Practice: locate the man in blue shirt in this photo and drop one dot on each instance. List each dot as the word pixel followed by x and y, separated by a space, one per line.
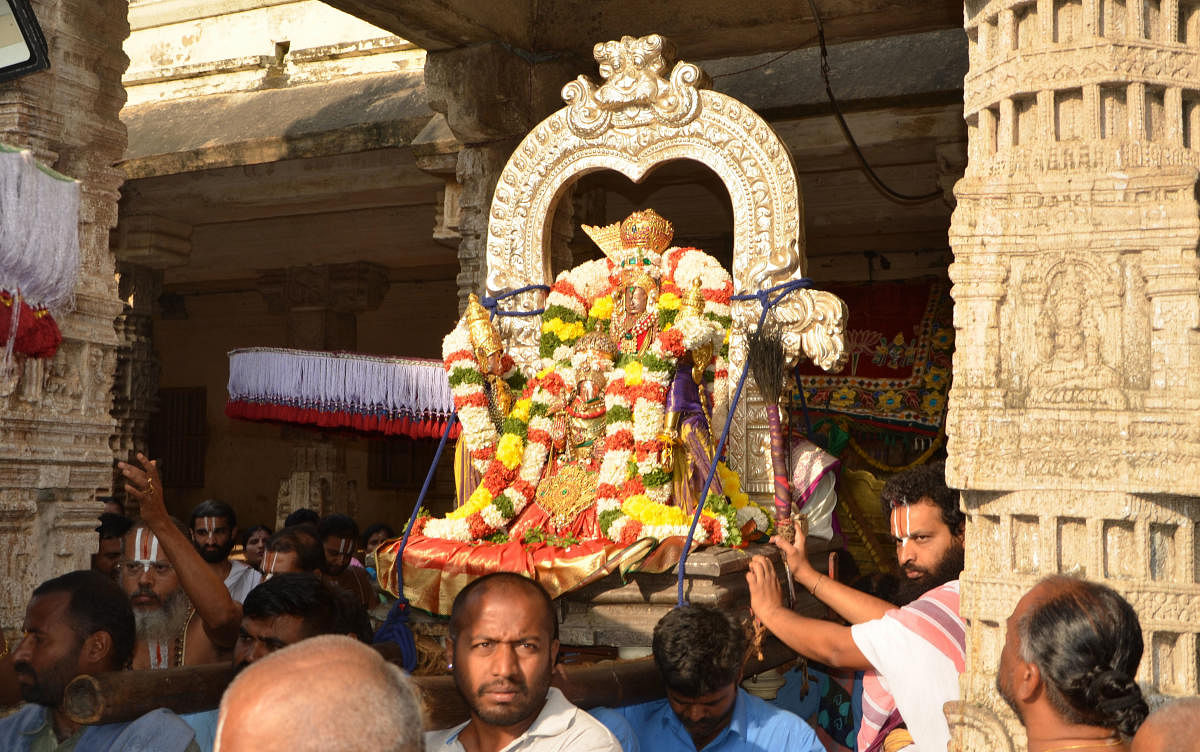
pixel 79 623
pixel 699 652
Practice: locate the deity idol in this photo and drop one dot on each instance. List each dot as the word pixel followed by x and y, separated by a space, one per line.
pixel 665 313
pixel 564 502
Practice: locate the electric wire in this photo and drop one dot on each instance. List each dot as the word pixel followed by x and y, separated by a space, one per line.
pixel 876 181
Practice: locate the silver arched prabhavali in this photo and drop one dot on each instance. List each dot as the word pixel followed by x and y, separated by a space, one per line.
pixel 644 113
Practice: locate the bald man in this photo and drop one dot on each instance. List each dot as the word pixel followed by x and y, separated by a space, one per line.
pixel 280 703
pixel 1171 727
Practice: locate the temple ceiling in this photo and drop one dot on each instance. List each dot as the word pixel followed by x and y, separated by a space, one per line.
pixel 702 28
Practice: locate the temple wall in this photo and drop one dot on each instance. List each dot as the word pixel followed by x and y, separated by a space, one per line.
pixel 1074 425
pixel 54 416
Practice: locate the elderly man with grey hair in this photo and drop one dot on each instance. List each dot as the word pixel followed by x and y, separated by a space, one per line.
pixel 325 694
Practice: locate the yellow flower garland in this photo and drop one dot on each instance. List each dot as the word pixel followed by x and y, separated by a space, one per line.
pixel 509 450
pixel 602 308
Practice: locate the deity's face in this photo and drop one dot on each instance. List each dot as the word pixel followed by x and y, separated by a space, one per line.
pixel 494 363
pixel 635 299
pixel 590 386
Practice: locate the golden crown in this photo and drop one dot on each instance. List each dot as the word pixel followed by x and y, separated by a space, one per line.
pixel 647 230
pixel 633 241
pixel 598 344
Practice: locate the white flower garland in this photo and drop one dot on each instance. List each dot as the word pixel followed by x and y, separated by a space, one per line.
pixel 634 484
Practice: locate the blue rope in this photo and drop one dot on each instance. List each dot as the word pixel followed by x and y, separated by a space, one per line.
pixel 412 519
pixel 769 298
pixel 395 628
pixel 492 303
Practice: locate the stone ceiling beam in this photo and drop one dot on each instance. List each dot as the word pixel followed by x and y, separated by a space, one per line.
pixel 701 30
pixel 445 24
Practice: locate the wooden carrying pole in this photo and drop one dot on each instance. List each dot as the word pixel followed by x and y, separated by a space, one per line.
pixel 125 695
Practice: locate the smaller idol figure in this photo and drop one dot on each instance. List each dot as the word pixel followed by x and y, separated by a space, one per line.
pixel 687 436
pixel 489 353
pixel 476 362
pixel 564 503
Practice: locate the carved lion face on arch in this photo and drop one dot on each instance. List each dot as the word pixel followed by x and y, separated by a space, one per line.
pixel 632 69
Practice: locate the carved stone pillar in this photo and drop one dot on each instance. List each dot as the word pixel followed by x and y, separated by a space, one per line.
pixel 54 416
pixel 144 245
pixel 491 95
pixel 322 304
pixel 317 480
pixel 135 386
pixel 478 170
pixel 1074 421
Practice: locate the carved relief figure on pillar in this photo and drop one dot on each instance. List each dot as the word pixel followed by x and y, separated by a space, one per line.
pixel 1071 367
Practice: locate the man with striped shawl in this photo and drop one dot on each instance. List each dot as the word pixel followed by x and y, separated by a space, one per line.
pixel 911 655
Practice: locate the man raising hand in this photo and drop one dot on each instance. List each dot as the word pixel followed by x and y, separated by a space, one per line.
pixel 184 614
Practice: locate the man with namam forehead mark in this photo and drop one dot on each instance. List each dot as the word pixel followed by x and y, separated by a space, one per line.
pixel 503 644
pixel 912 655
pixel 185 615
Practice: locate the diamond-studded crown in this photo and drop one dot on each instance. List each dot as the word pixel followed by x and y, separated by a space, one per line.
pixel 647 230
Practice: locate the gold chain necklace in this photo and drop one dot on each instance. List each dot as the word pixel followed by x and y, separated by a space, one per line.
pixel 181 639
pixel 1109 743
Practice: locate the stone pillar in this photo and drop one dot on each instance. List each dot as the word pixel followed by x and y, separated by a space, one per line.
pixel 317 479
pixel 144 245
pixel 1074 424
pixel 491 95
pixel 135 388
pixel 54 416
pixel 322 304
pixel 478 170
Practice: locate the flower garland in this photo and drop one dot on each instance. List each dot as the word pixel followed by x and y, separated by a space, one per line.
pixel 511 477
pixel 634 483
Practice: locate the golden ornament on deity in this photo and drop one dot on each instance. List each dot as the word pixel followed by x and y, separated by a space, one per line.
pixel 692 307
pixel 692 304
pixel 598 348
pixel 647 230
pixel 485 338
